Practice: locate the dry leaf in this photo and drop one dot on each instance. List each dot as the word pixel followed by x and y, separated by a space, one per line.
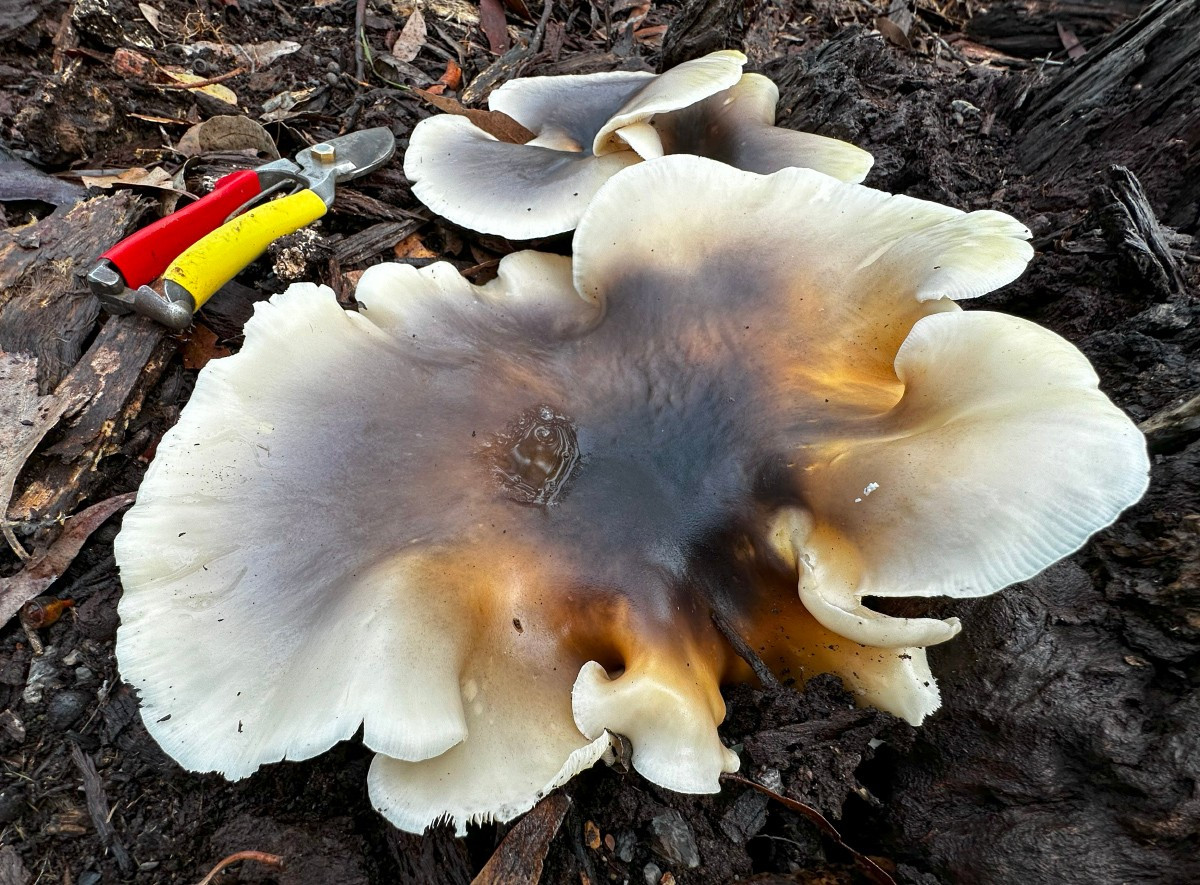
pixel 494 123
pixel 216 90
pixel 283 105
pixel 491 20
pixel 522 854
pixel 254 55
pixel 153 16
pixel 1070 42
pixel 42 571
pixel 411 39
pixel 412 247
pixel 200 346
pixel 895 31
pixel 157 178
pixel 229 132
pixel 651 34
pixel 452 78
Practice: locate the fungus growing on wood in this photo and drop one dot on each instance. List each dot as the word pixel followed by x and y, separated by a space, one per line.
pixel 491 525
pixel 589 127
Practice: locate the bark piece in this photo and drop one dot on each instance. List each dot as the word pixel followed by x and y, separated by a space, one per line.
pixel 111 381
pixel 45 308
pixel 98 810
pixel 701 27
pixel 1133 230
pixel 25 418
pixel 522 854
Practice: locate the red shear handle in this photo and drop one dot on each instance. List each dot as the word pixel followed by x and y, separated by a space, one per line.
pixel 143 257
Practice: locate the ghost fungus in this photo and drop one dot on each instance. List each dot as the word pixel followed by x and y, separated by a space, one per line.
pixel 491 524
pixel 737 127
pixel 589 127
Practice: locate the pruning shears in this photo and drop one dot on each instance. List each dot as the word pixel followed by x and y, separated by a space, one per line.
pixel 167 270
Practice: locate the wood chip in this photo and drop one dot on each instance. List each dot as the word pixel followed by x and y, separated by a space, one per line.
pixel 522 854
pixel 97 803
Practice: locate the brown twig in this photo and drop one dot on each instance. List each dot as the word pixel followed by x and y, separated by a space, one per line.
pixel 271 860
pixel 539 32
pixel 221 78
pixel 360 34
pixel 98 809
pixel 869 868
pixel 744 651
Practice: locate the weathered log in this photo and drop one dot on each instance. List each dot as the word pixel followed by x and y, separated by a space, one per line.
pixel 1132 100
pixel 46 310
pixel 1030 28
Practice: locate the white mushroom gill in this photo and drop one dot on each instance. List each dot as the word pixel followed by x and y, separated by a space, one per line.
pixel 490 524
pixel 589 127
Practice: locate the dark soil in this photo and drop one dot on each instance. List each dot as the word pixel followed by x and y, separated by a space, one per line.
pixel 1068 746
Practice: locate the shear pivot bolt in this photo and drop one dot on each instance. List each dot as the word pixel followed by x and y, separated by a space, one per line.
pixel 325 153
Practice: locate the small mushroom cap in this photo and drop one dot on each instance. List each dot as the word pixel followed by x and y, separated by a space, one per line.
pixel 591 126
pixel 491 524
pixel 584 124
pixel 737 127
pixel 520 191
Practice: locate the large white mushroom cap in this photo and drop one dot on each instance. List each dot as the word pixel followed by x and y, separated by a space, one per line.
pixel 588 127
pixel 490 524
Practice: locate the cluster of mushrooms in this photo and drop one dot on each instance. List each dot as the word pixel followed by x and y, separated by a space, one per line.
pixel 490 525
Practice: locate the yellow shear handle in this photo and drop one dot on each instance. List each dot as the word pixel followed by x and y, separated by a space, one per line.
pixel 214 260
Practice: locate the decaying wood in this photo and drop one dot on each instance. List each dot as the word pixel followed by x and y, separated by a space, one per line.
pixel 373 241
pixel 112 380
pixel 1174 427
pixel 47 310
pixel 1130 100
pixel 435 857
pixel 701 27
pixel 1134 232
pixel 1030 28
pixel 45 307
